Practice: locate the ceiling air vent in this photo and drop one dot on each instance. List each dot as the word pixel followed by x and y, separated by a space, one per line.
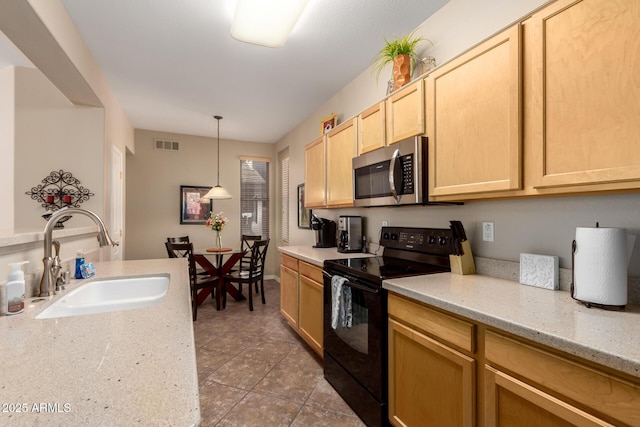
pixel 163 144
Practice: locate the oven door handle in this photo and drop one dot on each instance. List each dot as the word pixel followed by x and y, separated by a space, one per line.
pixel 354 285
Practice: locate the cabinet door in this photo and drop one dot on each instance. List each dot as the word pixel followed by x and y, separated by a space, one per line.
pixel 311 313
pixel 341 149
pixel 315 173
pixel 289 295
pixel 473 119
pixel 510 402
pixel 405 113
pixel 371 129
pixel 430 384
pixel 584 90
pixel 594 390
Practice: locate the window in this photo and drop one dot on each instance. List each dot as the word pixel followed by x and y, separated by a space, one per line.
pixel 284 207
pixel 254 197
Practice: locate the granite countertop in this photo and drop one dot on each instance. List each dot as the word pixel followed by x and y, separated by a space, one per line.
pixel 317 256
pixel 120 368
pixel 552 318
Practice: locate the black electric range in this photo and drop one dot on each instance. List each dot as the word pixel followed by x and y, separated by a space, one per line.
pixel 407 252
pixel 355 344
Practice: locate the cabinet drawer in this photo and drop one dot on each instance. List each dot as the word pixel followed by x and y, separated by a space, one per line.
pixel 289 261
pixel 311 271
pixel 447 328
pixel 512 402
pixel 608 395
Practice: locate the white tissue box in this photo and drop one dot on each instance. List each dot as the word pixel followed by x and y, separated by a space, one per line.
pixel 539 270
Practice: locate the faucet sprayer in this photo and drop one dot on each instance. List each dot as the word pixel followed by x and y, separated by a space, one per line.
pixel 49 276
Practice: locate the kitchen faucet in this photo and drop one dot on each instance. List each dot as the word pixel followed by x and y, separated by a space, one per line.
pixel 51 274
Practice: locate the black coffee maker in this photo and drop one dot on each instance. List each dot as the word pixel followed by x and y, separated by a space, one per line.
pixel 325 232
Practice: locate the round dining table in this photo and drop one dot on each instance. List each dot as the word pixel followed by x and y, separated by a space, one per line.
pixel 220 269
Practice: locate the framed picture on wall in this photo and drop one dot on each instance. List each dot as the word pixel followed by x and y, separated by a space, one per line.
pixel 193 208
pixel 328 123
pixel 304 215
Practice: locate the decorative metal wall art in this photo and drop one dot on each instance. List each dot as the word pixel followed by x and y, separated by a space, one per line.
pixel 58 190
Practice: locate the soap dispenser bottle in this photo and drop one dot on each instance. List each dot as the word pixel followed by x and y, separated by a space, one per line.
pixel 14 296
pixel 79 262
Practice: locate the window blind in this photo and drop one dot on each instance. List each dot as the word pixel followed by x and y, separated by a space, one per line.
pixel 254 198
pixel 284 207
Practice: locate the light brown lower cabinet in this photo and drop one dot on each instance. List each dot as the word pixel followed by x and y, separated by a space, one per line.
pixel 289 289
pixel 511 402
pixel 310 320
pixel 445 370
pixel 301 299
pixel 553 390
pixel 430 383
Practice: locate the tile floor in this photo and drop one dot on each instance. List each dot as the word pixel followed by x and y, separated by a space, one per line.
pixel 254 370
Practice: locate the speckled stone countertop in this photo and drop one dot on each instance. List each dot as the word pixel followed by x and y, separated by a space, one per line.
pixel 317 256
pixel 552 318
pixel 114 369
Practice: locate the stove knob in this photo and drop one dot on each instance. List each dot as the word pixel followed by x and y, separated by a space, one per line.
pixel 385 235
pixel 432 240
pixel 442 241
pixel 394 236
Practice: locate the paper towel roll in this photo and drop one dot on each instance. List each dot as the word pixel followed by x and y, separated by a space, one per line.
pixel 600 266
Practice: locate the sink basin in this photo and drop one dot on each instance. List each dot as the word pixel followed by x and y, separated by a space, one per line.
pixel 101 296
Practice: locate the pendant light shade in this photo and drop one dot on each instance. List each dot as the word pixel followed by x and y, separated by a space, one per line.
pixel 218 192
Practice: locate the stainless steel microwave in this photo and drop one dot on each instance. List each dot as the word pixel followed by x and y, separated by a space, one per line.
pixel 392 176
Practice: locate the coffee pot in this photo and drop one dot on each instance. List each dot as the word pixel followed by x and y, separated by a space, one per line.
pixel 350 233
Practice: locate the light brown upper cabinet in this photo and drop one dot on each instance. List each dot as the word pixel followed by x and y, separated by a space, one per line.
pixel 405 112
pixel 371 128
pixel 583 80
pixel 474 119
pixel 315 173
pixel 341 149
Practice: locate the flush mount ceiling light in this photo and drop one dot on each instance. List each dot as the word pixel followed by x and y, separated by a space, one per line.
pixel 266 23
pixel 218 192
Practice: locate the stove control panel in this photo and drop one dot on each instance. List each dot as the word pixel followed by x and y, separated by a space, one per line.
pixel 426 240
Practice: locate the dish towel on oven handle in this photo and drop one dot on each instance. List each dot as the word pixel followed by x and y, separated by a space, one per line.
pixel 341 308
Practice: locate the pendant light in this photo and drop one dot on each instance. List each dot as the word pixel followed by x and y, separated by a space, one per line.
pixel 218 192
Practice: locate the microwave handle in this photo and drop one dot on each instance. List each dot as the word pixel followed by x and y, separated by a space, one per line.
pixel 392 169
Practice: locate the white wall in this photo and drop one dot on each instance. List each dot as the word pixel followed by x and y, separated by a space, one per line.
pixel 153 187
pixel 534 225
pixel 97 129
pixel 51 134
pixel 7 131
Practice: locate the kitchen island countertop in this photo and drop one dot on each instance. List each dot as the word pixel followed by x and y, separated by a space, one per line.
pixel 552 318
pixel 120 368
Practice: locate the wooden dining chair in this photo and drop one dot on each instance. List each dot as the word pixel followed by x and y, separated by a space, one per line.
pixel 196 281
pixel 245 262
pixel 253 275
pixel 181 239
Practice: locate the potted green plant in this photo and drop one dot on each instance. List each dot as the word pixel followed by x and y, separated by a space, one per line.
pixel 400 52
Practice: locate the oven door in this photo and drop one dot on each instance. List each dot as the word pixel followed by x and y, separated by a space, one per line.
pixel 359 346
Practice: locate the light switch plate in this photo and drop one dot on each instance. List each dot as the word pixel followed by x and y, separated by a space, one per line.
pixel 540 270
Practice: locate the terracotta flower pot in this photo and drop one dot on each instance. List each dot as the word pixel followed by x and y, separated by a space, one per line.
pixel 401 70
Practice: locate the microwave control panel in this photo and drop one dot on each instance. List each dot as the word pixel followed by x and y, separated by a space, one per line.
pixel 406 166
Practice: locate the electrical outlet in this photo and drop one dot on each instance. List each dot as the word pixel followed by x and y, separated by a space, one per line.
pixel 488 231
pixel 385 223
